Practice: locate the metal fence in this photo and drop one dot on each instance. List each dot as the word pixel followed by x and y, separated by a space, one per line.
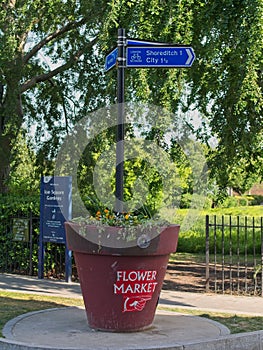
pixel 19 237
pixel 234 255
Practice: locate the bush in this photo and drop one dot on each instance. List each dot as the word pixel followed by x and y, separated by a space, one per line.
pixel 14 255
pixel 229 202
pixel 18 205
pixel 185 200
pixel 257 200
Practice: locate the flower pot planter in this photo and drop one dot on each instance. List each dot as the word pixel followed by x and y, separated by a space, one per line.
pixel 120 286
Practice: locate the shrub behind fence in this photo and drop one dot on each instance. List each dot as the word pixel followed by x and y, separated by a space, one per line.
pixel 19 236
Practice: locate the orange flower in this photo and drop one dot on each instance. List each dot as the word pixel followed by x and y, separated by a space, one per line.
pixel 127 216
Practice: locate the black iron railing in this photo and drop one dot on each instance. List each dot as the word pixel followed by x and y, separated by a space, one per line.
pixel 19 240
pixel 234 254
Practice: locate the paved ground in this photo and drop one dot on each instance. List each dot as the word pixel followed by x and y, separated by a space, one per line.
pixel 203 301
pixel 68 328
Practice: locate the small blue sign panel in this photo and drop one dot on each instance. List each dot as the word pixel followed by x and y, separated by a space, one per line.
pixel 55 207
pixel 159 56
pixel 111 59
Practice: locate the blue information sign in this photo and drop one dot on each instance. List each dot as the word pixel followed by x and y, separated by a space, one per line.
pixel 55 207
pixel 159 56
pixel 111 59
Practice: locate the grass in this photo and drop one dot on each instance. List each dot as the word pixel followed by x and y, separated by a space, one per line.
pixel 14 304
pixel 255 210
pixel 187 257
pixel 235 323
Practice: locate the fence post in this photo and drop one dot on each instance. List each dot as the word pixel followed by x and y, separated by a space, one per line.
pixel 261 224
pixel 68 264
pixel 31 244
pixel 207 277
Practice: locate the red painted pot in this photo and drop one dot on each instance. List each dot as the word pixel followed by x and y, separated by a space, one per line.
pixel 120 286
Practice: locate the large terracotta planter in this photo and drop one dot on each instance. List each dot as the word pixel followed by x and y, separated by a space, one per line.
pixel 120 286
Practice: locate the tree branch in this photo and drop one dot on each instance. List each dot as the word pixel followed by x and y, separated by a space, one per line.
pixel 46 76
pixel 47 39
pixel 10 3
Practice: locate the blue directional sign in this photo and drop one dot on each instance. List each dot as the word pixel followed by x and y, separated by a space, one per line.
pixel 111 59
pixel 159 56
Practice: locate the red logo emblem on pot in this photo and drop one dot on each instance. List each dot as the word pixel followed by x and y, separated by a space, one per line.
pixel 136 286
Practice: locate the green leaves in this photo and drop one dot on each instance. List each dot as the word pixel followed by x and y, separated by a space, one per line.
pixel 52 57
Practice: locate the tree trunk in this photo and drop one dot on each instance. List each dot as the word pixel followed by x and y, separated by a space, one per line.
pixel 11 119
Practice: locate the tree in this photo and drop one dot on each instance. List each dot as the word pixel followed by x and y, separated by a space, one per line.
pixel 225 81
pixel 23 175
pixel 51 68
pixel 227 84
pixel 41 41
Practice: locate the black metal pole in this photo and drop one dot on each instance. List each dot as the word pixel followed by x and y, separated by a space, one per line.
pixel 31 244
pixel 207 272
pixel 121 121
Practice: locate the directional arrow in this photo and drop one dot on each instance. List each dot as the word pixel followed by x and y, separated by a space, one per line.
pixel 190 57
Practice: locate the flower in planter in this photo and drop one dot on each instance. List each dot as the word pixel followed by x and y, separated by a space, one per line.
pixel 119 219
pixel 129 227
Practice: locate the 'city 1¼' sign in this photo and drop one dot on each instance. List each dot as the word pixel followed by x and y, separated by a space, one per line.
pixel 160 57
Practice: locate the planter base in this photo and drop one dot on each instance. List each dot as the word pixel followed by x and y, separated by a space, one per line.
pixel 120 293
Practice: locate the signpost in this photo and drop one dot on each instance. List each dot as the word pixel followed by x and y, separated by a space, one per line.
pixel 137 53
pixel 159 57
pixel 119 178
pixel 55 209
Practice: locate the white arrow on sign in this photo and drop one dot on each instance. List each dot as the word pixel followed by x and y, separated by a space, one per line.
pixel 190 56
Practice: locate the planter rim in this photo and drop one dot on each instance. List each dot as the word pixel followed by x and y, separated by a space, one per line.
pixel 109 243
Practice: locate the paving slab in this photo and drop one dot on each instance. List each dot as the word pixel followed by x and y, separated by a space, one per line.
pixel 225 303
pixel 67 328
